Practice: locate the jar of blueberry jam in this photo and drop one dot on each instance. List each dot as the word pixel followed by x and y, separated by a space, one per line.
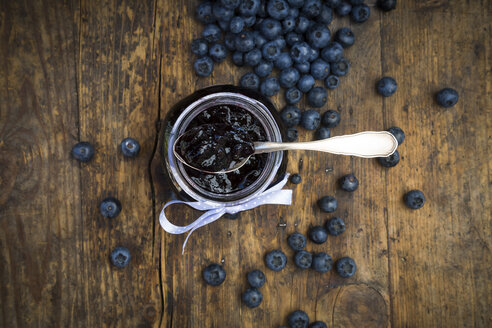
pixel 236 107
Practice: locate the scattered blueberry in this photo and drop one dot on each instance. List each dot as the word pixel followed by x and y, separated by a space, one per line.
pixel 250 81
pixel 318 324
pixel 346 267
pixel 238 58
pixel 317 96
pixel 310 119
pixel 204 13
pixel 276 260
pixel 345 37
pixel 270 51
pixel 328 204
pixel 252 57
pixel 387 5
pixel 332 53
pixel 414 199
pixel 320 69
pixel 292 38
pixel 332 82
pixel 214 274
pixel 360 13
pixel 83 151
pixel 130 147
pixel 398 133
pixel 296 241
pixel 293 95
pixel 211 33
pixel 341 67
pixel 303 259
pixel 318 36
pixel 278 9
pixel 298 319
pixel 120 257
pixel 292 134
pixel 300 52
pixel 236 25
pixel 110 207
pixel 303 67
pixel 447 97
pixel 234 216
pixel 290 115
pixel 322 262
pixel 252 297
pixel 330 119
pixel 217 52
pixel 256 278
pixel 244 41
pixel 343 9
pixel 311 8
pixel 349 182
pixel 269 87
pixel 288 77
pixel 335 226
pixel 322 133
pixel 325 15
pixel 199 47
pixel 283 61
pixel 386 86
pixel 270 28
pixel 306 83
pixel 318 234
pixel 289 24
pixel 249 7
pixel 391 160
pixel 264 68
pixel 203 66
pixel 295 178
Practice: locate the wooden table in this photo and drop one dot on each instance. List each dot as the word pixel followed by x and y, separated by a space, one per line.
pixel 101 71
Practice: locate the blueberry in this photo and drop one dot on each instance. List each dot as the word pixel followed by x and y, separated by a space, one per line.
pixel 332 53
pixel 293 12
pixel 260 40
pixel 252 297
pixel 318 324
pixel 203 66
pixel 120 257
pixel 236 25
pixel 318 234
pixel 345 37
pixel 292 38
pixel 346 267
pixel 222 13
pixel 281 43
pixel 328 204
pixel 310 119
pixel 302 24
pixel 296 3
pixel 335 226
pixel 317 97
pixel 386 86
pixel 214 274
pixel 224 25
pixel 262 13
pixel 303 259
pixel 325 15
pixel 270 28
pixel 398 133
pixel 414 199
pixel 295 178
pixel 234 216
pixel 291 116
pixel 269 87
pixel 204 13
pixel 322 133
pixel 288 77
pixel 270 51
pixel 320 69
pixel 387 5
pixel 230 4
pixel 391 160
pixel 297 241
pixel 110 207
pixel 83 151
pixel 303 67
pixel 230 41
pixel 244 41
pixel 356 2
pixel 318 36
pixel 305 83
pixel 298 319
pixel 333 3
pixel 252 57
pixel 447 97
pixel 130 147
pixel 264 68
pixel 276 260
pixel 349 182
pixel 249 7
pixel 330 119
pixel 292 134
pixel 238 58
pixel 199 47
pixel 217 52
pixel 360 13
pixel 311 8
pixel 278 9
pixel 256 278
pixel 332 82
pixel 250 81
pixel 283 61
pixel 288 24
pixel 322 262
pixel 313 54
pixel 293 95
pixel 249 21
pixel 343 9
pixel 211 33
pixel 340 68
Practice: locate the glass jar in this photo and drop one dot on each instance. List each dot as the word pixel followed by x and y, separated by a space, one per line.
pixel 183 113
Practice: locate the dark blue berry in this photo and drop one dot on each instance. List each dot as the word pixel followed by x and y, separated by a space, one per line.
pixel 250 81
pixel 83 151
pixel 249 21
pixel 346 267
pixel 303 67
pixel 234 216
pixel 270 28
pixel 414 199
pixel 325 15
pixel 120 257
pixel 318 36
pixel 335 226
pixel 278 9
pixel 110 207
pixel 322 133
pixel 269 87
pixel 222 13
pixel 293 12
pixel 211 33
pixel 244 41
pixel 288 24
pixel 322 262
pixel 236 25
pixel 386 86
pixel 260 40
pixel 204 13
pixel 256 278
pixel 356 2
pixel 447 97
pixel 341 67
pixel 345 37
pixel 252 57
pixel 318 324
pixel 249 7
pixel 317 97
pixel 281 43
pixel 330 119
pixel 398 133
pixel 349 182
pixel 332 82
pixel 297 241
pixel 288 77
pixel 238 58
pixel 283 61
pixel 199 47
pixel 360 13
pixel 310 119
pixel 275 260
pixel 224 25
pixel 387 5
pixel 264 68
pixel 303 259
pixel 292 134
pixel 333 3
pixel 305 83
pixel 252 297
pixel 320 69
pixel 333 52
pixel 318 234
pixel 293 95
pixel 296 3
pixel 230 4
pixel 262 13
pixel 214 274
pixel 292 38
pixel 328 204
pixel 298 319
pixel 313 54
pixel 230 41
pixel 311 8
pixel 270 51
pixel 217 52
pixel 302 24
pixel 291 116
pixel 391 160
pixel 343 9
pixel 130 147
pixel 295 178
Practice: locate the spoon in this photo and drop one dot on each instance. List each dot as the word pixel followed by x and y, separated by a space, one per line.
pixel 367 144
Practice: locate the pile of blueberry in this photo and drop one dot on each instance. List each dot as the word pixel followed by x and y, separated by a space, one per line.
pixel 310 120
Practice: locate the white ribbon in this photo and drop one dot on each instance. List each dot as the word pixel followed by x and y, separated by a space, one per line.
pixel 274 195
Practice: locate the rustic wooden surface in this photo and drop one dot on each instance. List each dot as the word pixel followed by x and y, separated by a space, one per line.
pixel 103 70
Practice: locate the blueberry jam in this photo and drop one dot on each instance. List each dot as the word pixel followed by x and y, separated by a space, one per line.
pixel 251 129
